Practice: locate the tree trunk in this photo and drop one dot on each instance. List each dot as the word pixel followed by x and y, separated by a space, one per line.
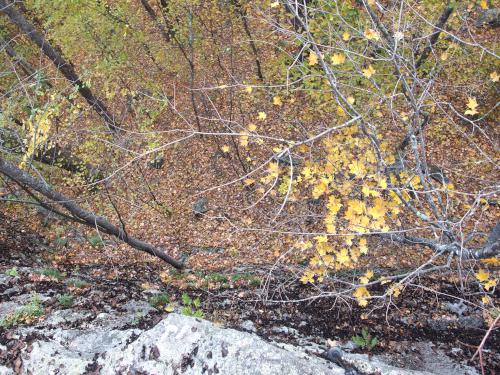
pixel 25 66
pixel 90 219
pixel 67 70
pixel 166 32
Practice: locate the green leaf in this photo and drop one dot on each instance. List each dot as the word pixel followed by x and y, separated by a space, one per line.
pixel 186 311
pixel 359 341
pixel 186 300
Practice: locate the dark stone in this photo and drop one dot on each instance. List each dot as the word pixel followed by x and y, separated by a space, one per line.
pixel 285 160
pixel 441 325
pixel 200 206
pixel 458 308
pixel 351 371
pixel 334 355
pixel 154 353
pixel 315 201
pixel 471 322
pixel 490 17
pixel 157 162
pixel 224 350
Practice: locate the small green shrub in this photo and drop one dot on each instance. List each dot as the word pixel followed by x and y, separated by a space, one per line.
pixel 12 272
pixel 248 277
pixel 366 340
pixel 60 242
pixel 159 300
pixel 95 240
pixel 53 273
pixel 26 314
pixel 216 277
pixel 77 283
pixel 66 300
pixel 191 307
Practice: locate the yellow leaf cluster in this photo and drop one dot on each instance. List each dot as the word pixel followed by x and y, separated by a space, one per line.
pixel 371 34
pixel 277 101
pixel 486 279
pixel 313 59
pixel 472 107
pixel 362 294
pixel 338 59
pixel 369 71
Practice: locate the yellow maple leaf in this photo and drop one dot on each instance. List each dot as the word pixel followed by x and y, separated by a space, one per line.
pixel 244 140
pixel 313 58
pixel 252 127
pixel 273 169
pixel 340 111
pixel 346 36
pixel 379 210
pixel 395 290
pixel 351 100
pixel 356 206
pixel 307 172
pixel 363 246
pixel 327 259
pixel 369 192
pixel 323 248
pixel 382 182
pixel 343 257
pixel 338 58
pixel 361 294
pixel 486 300
pixel 249 89
pixel 275 4
pixel 472 105
pixel 482 275
pixel 307 277
pixel 334 205
pixel 320 188
pixel 357 168
pixel 330 227
pixel 490 284
pixel 248 181
pixel 494 76
pixel 262 116
pixel 321 239
pixel 365 279
pixel 484 4
pixel 371 34
pixel 368 72
pixel 225 149
pixel 277 101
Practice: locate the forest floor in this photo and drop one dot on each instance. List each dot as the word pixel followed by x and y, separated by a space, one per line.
pixel 257 298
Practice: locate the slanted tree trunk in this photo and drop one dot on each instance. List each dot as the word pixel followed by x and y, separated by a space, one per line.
pixel 25 66
pixel 165 32
pixel 79 214
pixel 7 7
